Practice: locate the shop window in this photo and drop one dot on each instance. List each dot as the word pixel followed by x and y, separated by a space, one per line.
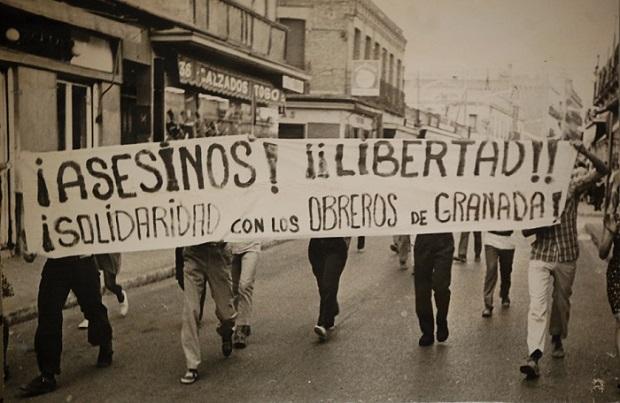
pixel 74 112
pixel 291 131
pixel 323 130
pixel 191 114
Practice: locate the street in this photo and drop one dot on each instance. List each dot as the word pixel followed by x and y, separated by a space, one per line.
pixel 372 356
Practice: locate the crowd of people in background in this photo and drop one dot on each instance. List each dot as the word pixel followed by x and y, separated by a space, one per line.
pixel 229 271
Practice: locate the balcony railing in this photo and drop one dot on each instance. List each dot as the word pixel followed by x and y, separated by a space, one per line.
pixel 245 28
pixel 392 98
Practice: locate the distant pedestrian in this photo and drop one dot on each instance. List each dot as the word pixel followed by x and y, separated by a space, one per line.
pixel 328 257
pixel 461 257
pixel 611 236
pixel 401 244
pixel 245 260
pixel 7 291
pixel 432 255
pixel 552 270
pixel 110 264
pixel 206 263
pixel 59 276
pixel 499 250
pixel 361 243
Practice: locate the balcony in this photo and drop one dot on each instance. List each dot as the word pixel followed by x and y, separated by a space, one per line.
pixel 390 98
pixel 606 83
pixel 246 29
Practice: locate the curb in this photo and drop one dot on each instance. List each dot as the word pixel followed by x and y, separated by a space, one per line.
pixel 30 312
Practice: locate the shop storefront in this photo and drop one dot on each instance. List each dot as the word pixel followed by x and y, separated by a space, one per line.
pixel 59 90
pixel 312 117
pixel 203 99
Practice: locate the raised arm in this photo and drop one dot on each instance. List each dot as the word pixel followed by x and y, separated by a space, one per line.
pixel 578 185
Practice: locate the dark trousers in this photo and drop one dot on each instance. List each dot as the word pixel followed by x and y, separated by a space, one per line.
pixel 60 276
pixel 464 242
pixel 109 280
pixel 328 257
pixel 505 258
pixel 432 255
pixel 361 242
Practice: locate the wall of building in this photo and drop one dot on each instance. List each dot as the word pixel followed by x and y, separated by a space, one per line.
pixel 341 118
pixel 110 128
pixel 35 110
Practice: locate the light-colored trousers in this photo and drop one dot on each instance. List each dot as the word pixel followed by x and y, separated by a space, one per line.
pixel 243 276
pixel 545 280
pixel 213 268
pixel 403 244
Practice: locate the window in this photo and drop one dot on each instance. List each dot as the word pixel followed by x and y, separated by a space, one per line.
pixel 377 51
pixel 74 107
pixel 295 41
pixel 367 48
pixel 391 71
pixel 399 68
pixel 473 121
pixel 383 63
pixel 356 44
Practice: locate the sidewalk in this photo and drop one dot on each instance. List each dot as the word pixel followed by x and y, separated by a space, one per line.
pixel 138 269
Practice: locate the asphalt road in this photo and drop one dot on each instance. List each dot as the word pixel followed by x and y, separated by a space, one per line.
pixel 372 356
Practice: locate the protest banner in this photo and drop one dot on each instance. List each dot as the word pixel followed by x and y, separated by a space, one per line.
pixel 155 196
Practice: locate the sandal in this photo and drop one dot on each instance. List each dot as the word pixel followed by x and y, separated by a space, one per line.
pixel 190 377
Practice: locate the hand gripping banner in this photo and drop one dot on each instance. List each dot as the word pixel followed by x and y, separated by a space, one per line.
pixel 156 196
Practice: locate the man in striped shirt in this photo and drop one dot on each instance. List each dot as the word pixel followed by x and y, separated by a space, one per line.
pixel 552 269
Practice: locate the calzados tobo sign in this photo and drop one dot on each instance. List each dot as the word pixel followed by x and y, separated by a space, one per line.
pixel 154 196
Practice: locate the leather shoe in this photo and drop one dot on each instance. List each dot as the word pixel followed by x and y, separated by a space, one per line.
pixel 442 332
pixel 38 386
pixel 426 340
pixel 226 332
pixel 104 359
pixel 530 368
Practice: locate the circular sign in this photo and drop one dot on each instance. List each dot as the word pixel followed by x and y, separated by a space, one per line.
pixel 365 77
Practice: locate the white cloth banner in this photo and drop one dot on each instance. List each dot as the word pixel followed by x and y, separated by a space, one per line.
pixel 154 196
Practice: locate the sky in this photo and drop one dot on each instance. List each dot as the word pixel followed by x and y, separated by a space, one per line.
pixel 470 36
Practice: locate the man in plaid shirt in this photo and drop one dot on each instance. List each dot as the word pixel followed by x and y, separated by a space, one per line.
pixel 552 269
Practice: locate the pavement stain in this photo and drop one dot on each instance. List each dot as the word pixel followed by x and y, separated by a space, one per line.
pixel 598 385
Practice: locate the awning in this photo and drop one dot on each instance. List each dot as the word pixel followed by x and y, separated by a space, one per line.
pixel 199 40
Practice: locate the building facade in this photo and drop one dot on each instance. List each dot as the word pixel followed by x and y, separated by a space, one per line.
pixel 354 54
pixel 602 119
pixel 89 73
pixel 502 105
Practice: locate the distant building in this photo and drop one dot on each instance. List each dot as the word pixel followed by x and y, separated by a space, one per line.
pixel 505 106
pixel 354 54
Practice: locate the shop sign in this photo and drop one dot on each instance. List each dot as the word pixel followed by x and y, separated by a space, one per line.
pixel 208 78
pixel 201 75
pixel 268 94
pixel 365 78
pixel 292 84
